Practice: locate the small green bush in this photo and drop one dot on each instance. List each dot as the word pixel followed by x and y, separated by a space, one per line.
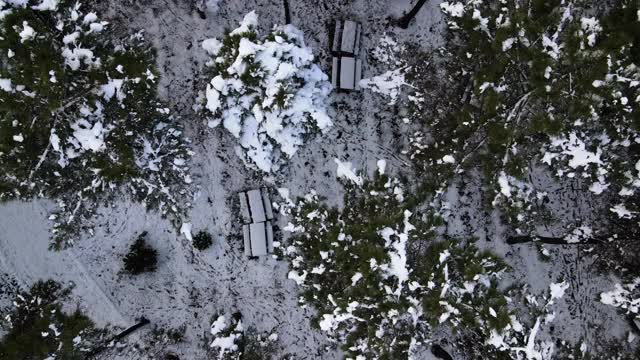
pixel 141 257
pixel 202 240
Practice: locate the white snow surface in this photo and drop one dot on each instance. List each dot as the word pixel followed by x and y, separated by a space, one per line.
pixel 382 166
pixel 21 3
pixel 624 296
pixel 212 5
pixel 227 344
pixel 575 149
pixel 218 325
pixel 347 171
pixel 5 85
pixel 556 290
pixel 622 211
pixel 47 5
pixel 503 181
pixel 113 88
pixel 398 266
pixel 389 84
pixel 27 32
pixel 88 136
pixel 185 229
pixel 264 298
pixel 454 9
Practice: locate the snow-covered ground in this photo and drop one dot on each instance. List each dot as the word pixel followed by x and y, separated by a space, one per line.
pixel 190 287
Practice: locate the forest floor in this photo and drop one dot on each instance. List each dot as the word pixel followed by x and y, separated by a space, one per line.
pixel 190 287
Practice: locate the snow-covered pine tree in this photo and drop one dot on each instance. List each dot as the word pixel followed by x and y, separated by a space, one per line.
pixel 380 280
pixel 554 87
pixel 79 115
pixel 266 91
pixel 232 341
pixel 38 328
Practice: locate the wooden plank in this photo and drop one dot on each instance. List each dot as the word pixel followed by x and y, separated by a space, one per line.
pixel 268 210
pixel 335 70
pixel 247 240
pixel 269 237
pixel 356 49
pixel 358 74
pixel 347 73
pixel 349 33
pixel 337 37
pixel 143 321
pixel 258 239
pixel 244 208
pixel 256 208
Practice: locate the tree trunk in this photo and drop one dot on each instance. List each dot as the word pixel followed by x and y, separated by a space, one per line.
pixel 404 21
pixel 440 352
pixel 512 240
pixel 287 13
pixel 143 321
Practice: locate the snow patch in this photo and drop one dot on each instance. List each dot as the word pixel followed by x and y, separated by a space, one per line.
pixel 556 290
pixel 622 211
pixel 503 181
pixel 398 266
pixel 5 85
pixel 47 5
pixel 185 230
pixel 382 166
pixel 27 32
pixel 218 325
pixel 347 171
pixel 388 84
pixel 113 88
pixel 89 136
pixel 453 9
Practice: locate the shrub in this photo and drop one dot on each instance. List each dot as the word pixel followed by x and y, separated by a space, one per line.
pixel 141 257
pixel 202 240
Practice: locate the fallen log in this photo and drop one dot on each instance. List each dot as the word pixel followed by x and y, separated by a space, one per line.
pixel 440 353
pixel 143 321
pixel 287 13
pixel 404 21
pixel 513 240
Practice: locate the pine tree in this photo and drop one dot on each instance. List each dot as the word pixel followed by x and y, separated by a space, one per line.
pixel 141 257
pixel 375 253
pixel 553 85
pixel 202 240
pixel 79 115
pixel 38 328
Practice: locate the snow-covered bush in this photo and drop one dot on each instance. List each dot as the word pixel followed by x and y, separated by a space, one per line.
pixel 233 342
pixel 38 328
pixel 379 279
pixel 266 91
pixel 79 116
pixel 626 297
pixel 552 85
pixel 532 314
